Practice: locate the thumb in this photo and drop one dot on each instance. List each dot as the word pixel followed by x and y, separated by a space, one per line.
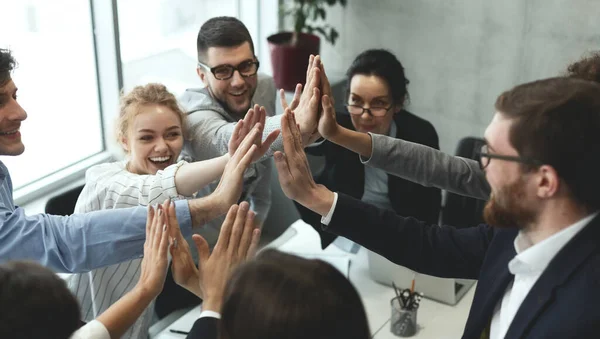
pixel 202 248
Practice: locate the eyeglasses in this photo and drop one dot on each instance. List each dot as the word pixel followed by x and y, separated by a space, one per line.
pixel 485 157
pixel 373 111
pixel 247 68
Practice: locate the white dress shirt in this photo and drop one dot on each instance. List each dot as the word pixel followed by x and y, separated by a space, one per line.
pixel 527 266
pixel 92 330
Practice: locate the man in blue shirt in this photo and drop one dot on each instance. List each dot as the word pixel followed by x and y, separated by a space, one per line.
pixel 83 242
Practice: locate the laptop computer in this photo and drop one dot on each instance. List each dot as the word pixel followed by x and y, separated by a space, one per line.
pixel 447 291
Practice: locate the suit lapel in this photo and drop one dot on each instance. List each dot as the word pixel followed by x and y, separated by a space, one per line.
pixel 561 268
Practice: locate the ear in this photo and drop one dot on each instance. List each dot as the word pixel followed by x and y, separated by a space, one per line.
pixel 202 74
pixel 124 143
pixel 548 182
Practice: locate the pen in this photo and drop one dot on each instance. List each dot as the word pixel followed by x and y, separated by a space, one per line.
pixel 178 331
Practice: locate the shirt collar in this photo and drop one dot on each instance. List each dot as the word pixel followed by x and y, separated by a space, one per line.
pixel 534 259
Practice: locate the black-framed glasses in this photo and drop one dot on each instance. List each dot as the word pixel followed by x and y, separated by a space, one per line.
pixel 246 68
pixel 373 111
pixel 484 157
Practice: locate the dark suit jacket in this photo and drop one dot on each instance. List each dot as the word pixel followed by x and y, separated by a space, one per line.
pixel 345 173
pixel 563 303
pixel 205 328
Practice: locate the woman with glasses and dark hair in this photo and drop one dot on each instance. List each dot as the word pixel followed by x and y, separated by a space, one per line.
pixel 375 101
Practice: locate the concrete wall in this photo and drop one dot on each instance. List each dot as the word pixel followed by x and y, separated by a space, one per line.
pixel 460 54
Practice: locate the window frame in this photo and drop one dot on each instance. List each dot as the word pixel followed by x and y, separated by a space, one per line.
pixel 110 79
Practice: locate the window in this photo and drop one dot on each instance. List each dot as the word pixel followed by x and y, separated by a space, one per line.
pixel 158 37
pixel 56 76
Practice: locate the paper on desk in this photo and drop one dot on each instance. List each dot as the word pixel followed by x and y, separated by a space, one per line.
pixel 339 261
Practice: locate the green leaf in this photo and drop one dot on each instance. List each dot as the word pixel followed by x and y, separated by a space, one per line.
pixel 343 3
pixel 334 36
pixel 322 13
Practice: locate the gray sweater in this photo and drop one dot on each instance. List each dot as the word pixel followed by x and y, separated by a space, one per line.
pixel 211 127
pixel 428 166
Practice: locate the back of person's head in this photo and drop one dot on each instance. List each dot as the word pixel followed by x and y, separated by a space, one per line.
pixel 35 303
pixel 587 68
pixel 7 64
pixel 222 31
pixel 281 296
pixel 383 64
pixel 556 121
pixel 149 94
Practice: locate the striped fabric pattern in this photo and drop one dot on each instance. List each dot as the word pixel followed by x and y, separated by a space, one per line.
pixel 110 186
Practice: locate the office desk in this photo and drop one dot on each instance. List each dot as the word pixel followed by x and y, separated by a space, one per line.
pixel 435 320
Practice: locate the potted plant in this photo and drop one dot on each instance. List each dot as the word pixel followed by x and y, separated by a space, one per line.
pixel 290 50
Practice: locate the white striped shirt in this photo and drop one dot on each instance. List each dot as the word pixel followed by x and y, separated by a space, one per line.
pixel 110 186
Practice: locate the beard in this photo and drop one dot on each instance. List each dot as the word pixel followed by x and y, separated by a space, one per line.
pixel 230 107
pixel 508 208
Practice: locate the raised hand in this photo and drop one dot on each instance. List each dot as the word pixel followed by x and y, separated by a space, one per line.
pixel 238 242
pixel 256 117
pixel 307 111
pixel 328 126
pixel 295 177
pixel 155 262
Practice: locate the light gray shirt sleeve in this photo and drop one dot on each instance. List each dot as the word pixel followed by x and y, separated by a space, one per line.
pixel 428 167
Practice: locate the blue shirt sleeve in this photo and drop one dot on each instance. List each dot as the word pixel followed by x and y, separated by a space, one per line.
pixel 80 242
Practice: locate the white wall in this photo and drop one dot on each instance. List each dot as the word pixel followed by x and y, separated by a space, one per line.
pixel 460 54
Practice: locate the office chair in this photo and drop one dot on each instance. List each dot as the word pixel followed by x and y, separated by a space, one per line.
pixel 64 203
pixel 460 211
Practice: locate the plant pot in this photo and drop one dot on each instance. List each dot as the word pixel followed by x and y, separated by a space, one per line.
pixel 290 60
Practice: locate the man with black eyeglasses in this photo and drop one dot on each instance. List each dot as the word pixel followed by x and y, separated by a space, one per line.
pixel 228 68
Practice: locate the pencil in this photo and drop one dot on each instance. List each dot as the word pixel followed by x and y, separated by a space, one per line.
pixel 412 284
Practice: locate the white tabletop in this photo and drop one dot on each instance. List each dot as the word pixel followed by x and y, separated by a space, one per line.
pixel 435 320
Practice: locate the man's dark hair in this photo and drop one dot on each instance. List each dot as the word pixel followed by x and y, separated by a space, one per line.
pixel 587 68
pixel 35 303
pixel 222 31
pixel 7 64
pixel 557 122
pixel 293 298
pixel 384 64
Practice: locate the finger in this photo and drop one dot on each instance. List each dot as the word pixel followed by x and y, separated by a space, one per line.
pixel 296 99
pixel 164 241
pixel 202 248
pixel 284 103
pixel 256 117
pixel 237 130
pixel 253 243
pixel 245 145
pixel 238 229
pixel 224 234
pixel 158 225
pixel 311 59
pixel 283 170
pixel 149 219
pixel 174 229
pixel 262 115
pixel 288 136
pixel 246 235
pixel 296 135
pixel 268 142
pixel 247 159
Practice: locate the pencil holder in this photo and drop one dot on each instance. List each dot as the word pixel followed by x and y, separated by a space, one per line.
pixel 403 322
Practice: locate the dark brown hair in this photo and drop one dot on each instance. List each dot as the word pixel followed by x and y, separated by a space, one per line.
pixel 222 31
pixel 35 303
pixel 7 64
pixel 384 64
pixel 557 122
pixel 587 68
pixel 281 296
